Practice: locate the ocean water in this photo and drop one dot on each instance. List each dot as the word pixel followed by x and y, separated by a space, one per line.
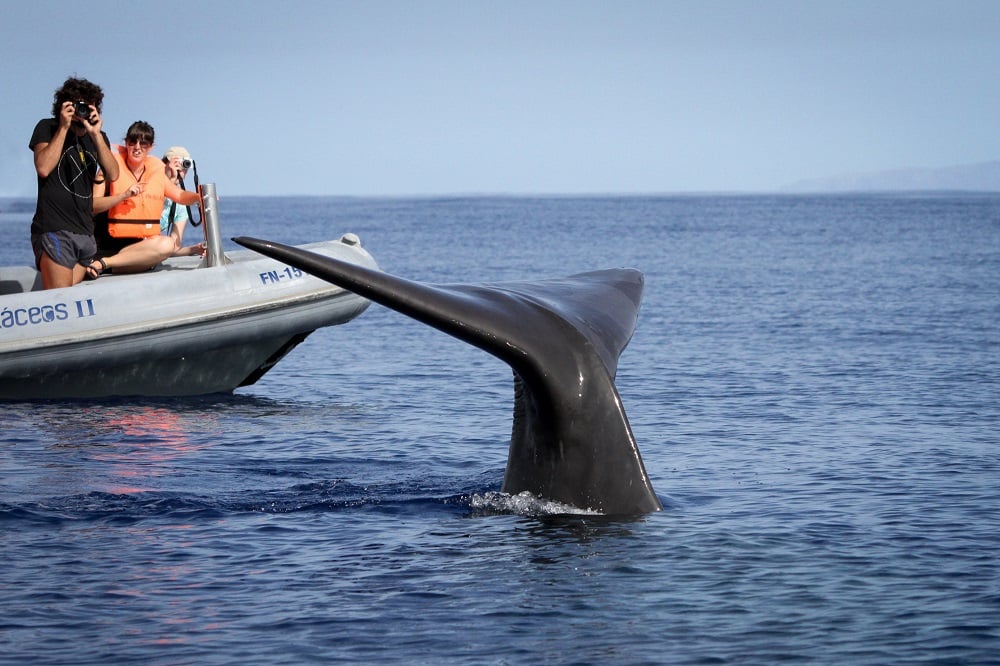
pixel 814 385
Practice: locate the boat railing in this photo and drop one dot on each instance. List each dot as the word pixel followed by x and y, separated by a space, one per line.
pixel 210 217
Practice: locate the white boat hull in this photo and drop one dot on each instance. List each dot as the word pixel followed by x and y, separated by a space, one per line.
pixel 183 329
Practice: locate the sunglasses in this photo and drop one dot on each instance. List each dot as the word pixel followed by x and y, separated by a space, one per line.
pixel 142 142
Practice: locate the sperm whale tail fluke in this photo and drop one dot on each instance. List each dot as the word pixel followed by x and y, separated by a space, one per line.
pixel 571 441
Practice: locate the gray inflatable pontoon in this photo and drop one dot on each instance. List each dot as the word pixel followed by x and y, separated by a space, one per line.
pixel 192 326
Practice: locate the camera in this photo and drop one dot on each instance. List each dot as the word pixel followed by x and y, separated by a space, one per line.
pixel 82 110
pixel 187 163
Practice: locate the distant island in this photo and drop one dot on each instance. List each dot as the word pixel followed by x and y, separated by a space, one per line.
pixel 982 177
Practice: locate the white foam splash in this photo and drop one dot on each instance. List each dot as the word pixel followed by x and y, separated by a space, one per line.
pixel 525 504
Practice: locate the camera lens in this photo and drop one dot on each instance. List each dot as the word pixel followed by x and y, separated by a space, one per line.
pixel 186 163
pixel 83 109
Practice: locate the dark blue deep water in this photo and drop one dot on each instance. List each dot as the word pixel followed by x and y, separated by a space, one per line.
pixel 814 384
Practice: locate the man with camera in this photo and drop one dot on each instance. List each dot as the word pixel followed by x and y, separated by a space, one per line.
pixel 72 154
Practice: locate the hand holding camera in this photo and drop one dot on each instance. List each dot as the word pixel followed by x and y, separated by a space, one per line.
pixel 86 114
pixel 176 164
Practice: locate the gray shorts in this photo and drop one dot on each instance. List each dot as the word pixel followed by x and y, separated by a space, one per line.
pixel 66 248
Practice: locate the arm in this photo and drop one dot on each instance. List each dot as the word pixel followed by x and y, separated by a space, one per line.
pixel 103 203
pixel 185 197
pixel 104 156
pixel 47 154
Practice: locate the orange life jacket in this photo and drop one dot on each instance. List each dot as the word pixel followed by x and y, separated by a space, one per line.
pixel 138 216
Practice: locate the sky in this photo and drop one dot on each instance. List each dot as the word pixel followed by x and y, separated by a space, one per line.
pixel 411 97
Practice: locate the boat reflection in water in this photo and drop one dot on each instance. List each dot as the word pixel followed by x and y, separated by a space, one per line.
pixel 191 326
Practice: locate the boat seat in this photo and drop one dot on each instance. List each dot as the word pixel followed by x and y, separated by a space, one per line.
pixel 22 279
pixel 19 279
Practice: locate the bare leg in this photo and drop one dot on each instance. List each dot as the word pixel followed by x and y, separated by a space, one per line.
pixel 55 276
pixel 141 256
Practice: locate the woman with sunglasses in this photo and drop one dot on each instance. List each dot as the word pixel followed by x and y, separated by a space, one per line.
pixel 130 240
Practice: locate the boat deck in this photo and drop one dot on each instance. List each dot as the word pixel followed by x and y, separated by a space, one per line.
pixel 24 279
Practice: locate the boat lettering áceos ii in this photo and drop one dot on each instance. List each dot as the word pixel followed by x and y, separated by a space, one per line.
pixel 36 315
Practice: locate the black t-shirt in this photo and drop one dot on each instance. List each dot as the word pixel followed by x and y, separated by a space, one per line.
pixel 66 196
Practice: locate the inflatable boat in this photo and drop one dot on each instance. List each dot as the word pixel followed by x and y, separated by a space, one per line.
pixel 192 326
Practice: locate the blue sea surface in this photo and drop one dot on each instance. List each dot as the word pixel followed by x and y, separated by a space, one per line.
pixel 814 385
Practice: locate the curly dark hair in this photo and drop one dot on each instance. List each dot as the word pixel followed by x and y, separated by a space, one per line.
pixel 77 90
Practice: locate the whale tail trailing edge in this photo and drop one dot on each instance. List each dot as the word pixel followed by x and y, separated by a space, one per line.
pixel 570 441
